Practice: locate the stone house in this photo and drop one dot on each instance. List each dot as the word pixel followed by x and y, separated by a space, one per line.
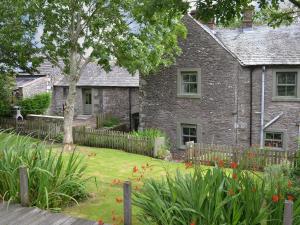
pixel 229 86
pixel 99 92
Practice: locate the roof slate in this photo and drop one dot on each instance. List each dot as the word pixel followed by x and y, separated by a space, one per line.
pixel 94 75
pixel 263 45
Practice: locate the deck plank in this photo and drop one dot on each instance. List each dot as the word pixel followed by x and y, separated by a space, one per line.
pixel 14 214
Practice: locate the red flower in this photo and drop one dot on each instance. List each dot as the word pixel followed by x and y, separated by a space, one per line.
pixel 290 197
pixel 100 222
pixel 275 198
pixel 230 192
pixel 193 223
pixel 221 163
pixel 135 169
pixel 119 200
pixel 234 176
pixel 233 165
pixel 188 165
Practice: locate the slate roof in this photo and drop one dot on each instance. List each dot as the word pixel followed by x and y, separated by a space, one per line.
pixel 263 45
pixel 26 79
pixel 93 75
pixel 45 68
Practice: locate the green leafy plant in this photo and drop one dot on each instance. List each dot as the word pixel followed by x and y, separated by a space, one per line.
pixel 111 121
pixel 37 104
pixel 55 180
pixel 212 197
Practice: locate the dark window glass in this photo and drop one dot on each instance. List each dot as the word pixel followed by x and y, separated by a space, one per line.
pixel 189 133
pixel 189 82
pixel 286 84
pixel 274 139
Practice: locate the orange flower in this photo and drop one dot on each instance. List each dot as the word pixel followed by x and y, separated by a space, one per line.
pixel 135 169
pixel 100 222
pixel 290 197
pixel 290 184
pixel 230 192
pixel 113 218
pixel 253 189
pixel 275 198
pixel 234 176
pixel 221 163
pixel 193 223
pixel 119 199
pixel 233 165
pixel 188 165
pixel 143 167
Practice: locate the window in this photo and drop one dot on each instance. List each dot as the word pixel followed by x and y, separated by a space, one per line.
pixel 286 84
pixel 189 133
pixel 274 139
pixel 65 92
pixel 189 83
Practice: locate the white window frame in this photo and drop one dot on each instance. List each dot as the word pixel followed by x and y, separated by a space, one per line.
pixel 187 122
pixel 180 91
pixel 283 133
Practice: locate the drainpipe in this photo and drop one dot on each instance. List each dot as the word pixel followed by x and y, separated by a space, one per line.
pixel 130 119
pixel 251 107
pixel 262 112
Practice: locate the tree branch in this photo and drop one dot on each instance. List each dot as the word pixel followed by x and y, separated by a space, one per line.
pixel 295 2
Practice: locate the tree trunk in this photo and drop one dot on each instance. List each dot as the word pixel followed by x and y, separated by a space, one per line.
pixel 73 78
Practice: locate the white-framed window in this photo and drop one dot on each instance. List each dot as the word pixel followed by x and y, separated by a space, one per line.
pixel 189 83
pixel 286 84
pixel 274 139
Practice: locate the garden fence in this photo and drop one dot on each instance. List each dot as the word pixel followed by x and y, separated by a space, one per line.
pixel 251 158
pixel 113 139
pixel 36 128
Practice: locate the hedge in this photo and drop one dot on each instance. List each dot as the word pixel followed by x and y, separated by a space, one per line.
pixel 37 104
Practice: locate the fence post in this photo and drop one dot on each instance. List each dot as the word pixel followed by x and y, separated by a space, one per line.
pixel 24 192
pixel 190 150
pixel 127 203
pixel 159 142
pixel 288 213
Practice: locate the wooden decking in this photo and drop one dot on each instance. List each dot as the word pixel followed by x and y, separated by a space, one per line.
pixel 14 214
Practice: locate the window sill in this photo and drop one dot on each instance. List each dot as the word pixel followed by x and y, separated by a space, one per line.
pixel 182 147
pixel 279 99
pixel 188 96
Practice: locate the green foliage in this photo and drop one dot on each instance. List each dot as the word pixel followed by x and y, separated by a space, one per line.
pixel 17 31
pixel 37 104
pixel 227 11
pixel 7 83
pixel 111 121
pixel 212 197
pixel 54 180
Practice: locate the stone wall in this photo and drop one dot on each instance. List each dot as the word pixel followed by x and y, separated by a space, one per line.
pixel 215 111
pixel 113 100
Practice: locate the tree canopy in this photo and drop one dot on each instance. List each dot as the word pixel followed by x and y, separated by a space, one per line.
pixel 18 28
pixel 273 12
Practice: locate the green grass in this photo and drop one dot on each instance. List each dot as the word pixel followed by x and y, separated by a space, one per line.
pixel 106 165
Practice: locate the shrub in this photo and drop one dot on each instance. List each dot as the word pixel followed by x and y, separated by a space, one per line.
pixel 7 84
pixel 211 197
pixel 54 180
pixel 37 104
pixel 111 121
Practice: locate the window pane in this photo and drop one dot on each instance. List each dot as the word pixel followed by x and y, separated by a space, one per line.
pixel 291 78
pixel 290 91
pixel 194 139
pixel 193 132
pixel 277 136
pixel 193 78
pixel 281 91
pixel 193 88
pixel 269 135
pixel 189 133
pixel 281 78
pixel 185 131
pixel 186 78
pixel 185 139
pixel 186 88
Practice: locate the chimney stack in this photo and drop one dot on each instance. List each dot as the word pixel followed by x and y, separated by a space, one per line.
pixel 210 24
pixel 248 17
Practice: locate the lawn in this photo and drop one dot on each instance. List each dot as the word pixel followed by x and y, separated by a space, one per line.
pixel 110 168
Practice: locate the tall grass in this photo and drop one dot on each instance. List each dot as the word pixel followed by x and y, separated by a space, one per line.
pixel 55 180
pixel 210 197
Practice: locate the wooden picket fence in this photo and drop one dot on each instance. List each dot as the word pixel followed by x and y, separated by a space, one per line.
pixel 35 128
pixel 113 139
pixel 251 158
